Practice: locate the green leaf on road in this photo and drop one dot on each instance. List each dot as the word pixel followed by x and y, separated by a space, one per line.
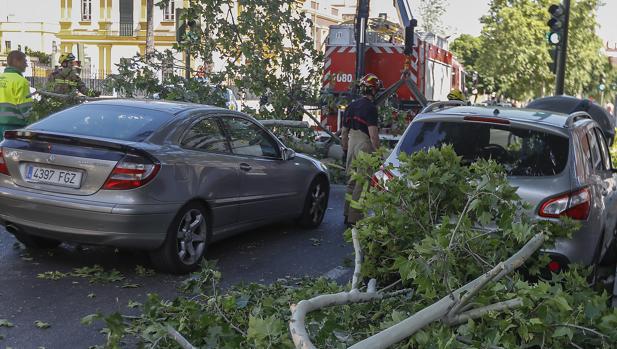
pixel 130 286
pixel 6 323
pixel 42 325
pixel 89 319
pixel 134 304
pixel 52 275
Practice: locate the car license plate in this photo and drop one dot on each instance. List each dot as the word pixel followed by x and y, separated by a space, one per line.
pixel 54 176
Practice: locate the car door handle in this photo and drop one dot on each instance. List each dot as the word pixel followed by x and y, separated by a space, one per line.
pixel 245 167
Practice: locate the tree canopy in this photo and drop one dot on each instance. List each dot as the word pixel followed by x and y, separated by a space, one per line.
pixel 512 53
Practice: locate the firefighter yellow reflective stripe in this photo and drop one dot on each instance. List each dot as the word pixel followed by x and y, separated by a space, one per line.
pixel 64 81
pixel 25 108
pixel 19 111
pixel 9 107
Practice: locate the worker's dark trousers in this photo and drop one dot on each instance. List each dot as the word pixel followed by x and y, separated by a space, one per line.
pixel 358 142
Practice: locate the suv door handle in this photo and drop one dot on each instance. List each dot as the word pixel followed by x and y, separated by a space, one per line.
pixel 245 167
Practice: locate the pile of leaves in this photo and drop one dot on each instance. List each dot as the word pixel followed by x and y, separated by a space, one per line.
pixel 438 227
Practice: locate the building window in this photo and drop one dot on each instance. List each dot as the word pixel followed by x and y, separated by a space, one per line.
pixel 169 12
pixel 334 11
pixel 7 46
pixel 126 17
pixel 86 10
pixel 314 5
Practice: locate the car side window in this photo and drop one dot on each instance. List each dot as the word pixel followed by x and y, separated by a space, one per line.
pixel 585 150
pixel 606 157
pixel 594 147
pixel 247 138
pixel 205 135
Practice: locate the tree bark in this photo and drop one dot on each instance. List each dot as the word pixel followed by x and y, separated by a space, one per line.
pixel 150 27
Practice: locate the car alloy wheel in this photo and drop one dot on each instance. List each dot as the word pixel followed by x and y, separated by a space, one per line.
pixel 315 204
pixel 318 203
pixel 191 237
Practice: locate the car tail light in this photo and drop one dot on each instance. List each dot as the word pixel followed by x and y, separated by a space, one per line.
pixel 133 171
pixel 554 266
pixel 3 168
pixel 10 134
pixel 575 205
pixel 380 178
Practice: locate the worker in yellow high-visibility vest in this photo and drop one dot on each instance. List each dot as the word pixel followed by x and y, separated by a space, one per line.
pixel 15 101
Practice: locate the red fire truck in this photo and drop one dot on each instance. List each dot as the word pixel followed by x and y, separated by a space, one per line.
pixel 431 70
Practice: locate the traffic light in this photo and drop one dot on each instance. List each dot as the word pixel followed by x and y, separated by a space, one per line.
pixel 556 24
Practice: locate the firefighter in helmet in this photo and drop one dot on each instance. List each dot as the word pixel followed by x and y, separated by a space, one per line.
pixel 456 95
pixel 66 80
pixel 360 133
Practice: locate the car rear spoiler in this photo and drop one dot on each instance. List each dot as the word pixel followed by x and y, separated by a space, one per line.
pixel 68 139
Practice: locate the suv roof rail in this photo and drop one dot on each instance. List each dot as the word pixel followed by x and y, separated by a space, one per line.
pixel 576 116
pixel 441 105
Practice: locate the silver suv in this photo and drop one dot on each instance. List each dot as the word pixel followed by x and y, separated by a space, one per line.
pixel 560 164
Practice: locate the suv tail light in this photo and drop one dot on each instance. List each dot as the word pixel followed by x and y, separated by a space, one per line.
pixel 133 171
pixel 575 205
pixel 380 178
pixel 3 168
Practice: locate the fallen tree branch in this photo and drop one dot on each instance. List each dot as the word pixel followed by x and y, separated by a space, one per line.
pixel 584 329
pixel 358 265
pixel 479 312
pixel 285 123
pixel 467 297
pixel 175 335
pixel 440 309
pixel 65 96
pixel 408 327
pixel 319 123
pixel 297 327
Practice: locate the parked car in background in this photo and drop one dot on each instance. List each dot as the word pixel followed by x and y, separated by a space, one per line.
pixel 560 164
pixel 165 177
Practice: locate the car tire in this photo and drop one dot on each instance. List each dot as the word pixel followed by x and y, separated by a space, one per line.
pixel 36 242
pixel 315 204
pixel 186 242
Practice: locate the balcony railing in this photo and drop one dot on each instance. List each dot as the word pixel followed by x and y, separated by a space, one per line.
pixel 126 29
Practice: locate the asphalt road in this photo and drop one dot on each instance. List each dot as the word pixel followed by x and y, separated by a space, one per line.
pixel 261 255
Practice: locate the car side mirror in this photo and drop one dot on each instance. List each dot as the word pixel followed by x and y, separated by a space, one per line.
pixel 288 154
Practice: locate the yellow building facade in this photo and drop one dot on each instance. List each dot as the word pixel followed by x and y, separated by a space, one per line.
pixel 102 32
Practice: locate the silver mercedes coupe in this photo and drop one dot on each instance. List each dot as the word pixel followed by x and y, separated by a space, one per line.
pixel 161 176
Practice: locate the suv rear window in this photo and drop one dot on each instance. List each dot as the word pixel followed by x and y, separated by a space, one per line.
pixel 522 152
pixel 105 121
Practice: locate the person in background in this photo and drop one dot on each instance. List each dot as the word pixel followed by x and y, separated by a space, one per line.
pixel 66 79
pixel 359 134
pixel 15 101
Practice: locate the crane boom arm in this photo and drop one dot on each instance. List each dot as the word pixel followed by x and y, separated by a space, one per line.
pixel 403 9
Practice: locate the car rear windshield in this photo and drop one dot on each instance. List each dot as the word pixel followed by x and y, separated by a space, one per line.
pixel 522 152
pixel 105 121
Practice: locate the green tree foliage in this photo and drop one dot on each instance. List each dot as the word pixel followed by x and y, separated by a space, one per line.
pixel 266 48
pixel 468 49
pixel 514 56
pixel 431 12
pixel 425 230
